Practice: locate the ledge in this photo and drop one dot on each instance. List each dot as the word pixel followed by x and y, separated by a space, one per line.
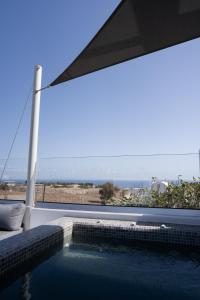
pixel 30 244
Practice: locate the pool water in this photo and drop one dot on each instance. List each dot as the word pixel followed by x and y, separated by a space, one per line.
pixel 82 271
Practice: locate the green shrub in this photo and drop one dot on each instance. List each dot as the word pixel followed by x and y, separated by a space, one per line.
pixel 183 195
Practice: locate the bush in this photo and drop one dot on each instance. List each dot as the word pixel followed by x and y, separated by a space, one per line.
pixel 86 185
pixel 5 188
pixel 184 195
pixel 107 191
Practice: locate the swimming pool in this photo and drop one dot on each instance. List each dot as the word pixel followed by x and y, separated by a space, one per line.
pixel 102 271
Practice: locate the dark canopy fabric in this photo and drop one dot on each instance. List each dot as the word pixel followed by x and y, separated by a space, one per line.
pixel 136 28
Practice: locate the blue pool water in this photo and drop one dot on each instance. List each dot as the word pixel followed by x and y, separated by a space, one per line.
pixel 82 271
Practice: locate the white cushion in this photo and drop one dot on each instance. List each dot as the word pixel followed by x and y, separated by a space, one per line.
pixel 11 216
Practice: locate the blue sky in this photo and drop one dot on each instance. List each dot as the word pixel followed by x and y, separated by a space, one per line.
pixel 147 105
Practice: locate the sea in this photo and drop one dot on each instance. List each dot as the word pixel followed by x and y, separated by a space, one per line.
pixel 117 182
pixel 120 183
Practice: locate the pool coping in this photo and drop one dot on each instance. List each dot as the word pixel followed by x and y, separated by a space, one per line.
pixel 28 245
pixel 181 236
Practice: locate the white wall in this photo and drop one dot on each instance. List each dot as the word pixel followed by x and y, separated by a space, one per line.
pixel 177 216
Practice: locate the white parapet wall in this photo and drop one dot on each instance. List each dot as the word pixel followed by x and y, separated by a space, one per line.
pixel 160 215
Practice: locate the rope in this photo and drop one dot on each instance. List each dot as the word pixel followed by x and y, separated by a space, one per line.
pixel 113 156
pixel 121 155
pixel 44 88
pixel 15 135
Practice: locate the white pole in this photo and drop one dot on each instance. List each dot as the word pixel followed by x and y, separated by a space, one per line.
pixel 33 145
pixel 199 163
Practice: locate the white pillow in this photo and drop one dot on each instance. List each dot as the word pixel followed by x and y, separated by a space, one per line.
pixel 11 216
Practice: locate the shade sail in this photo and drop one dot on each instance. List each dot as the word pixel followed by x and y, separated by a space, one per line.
pixel 136 28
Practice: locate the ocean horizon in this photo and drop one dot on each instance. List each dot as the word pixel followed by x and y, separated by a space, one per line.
pixel 118 182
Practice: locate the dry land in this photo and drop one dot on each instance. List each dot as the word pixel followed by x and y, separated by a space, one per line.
pixel 56 193
pixel 76 193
